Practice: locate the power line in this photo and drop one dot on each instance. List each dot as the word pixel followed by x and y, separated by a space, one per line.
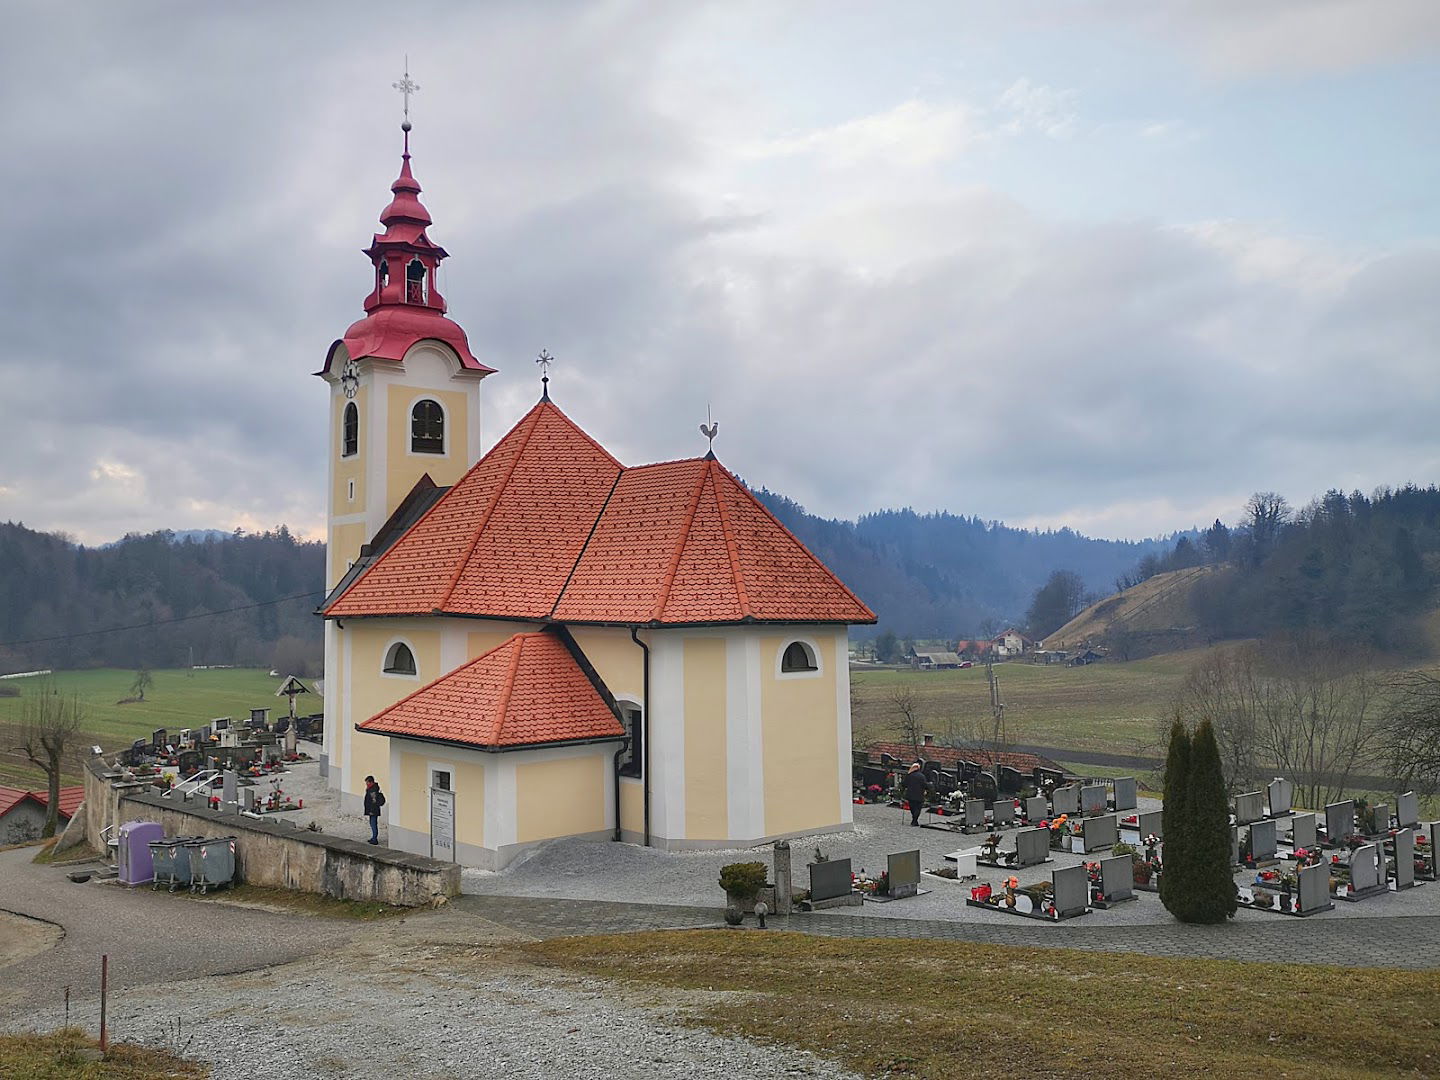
pixel 163 622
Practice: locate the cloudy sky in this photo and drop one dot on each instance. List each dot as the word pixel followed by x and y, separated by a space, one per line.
pixel 1111 264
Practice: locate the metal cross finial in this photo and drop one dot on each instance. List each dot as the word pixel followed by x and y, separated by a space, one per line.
pixel 406 86
pixel 544 360
pixel 709 430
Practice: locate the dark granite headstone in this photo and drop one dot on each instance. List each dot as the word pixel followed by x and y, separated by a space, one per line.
pixel 1037 808
pixel 974 813
pixel 1151 822
pixel 830 879
pixel 1032 846
pixel 1002 813
pixel 1117 878
pixel 1100 833
pixel 903 868
pixel 1404 858
pixel 1127 793
pixel 1339 821
pixel 1302 831
pixel 1071 890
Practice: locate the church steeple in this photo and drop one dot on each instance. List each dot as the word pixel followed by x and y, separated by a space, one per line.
pixel 404 256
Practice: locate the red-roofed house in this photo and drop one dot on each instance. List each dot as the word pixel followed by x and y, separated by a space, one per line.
pixel 22 813
pixel 496 626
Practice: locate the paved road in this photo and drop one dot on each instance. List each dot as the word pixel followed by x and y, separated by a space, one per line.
pixel 1398 942
pixel 195 938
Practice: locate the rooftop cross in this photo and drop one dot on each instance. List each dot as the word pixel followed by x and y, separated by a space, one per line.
pixel 406 86
pixel 544 360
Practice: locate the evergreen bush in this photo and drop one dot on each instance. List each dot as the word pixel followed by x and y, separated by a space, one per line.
pixel 1210 879
pixel 1174 889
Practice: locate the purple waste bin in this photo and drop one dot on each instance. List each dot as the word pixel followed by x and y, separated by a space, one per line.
pixel 133 855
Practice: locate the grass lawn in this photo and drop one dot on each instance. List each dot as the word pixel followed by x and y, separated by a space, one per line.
pixel 946 1009
pixel 1113 707
pixel 179 698
pixel 73 1055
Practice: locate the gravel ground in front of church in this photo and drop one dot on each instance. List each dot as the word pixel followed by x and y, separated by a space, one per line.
pixel 430 997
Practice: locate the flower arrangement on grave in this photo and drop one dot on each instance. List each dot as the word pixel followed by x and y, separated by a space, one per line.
pixel 874 886
pixel 1132 819
pixel 742 882
pixel 955 801
pixel 873 793
pixel 167 780
pixel 949 873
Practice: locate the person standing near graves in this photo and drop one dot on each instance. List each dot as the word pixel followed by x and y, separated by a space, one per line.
pixel 915 792
pixel 374 800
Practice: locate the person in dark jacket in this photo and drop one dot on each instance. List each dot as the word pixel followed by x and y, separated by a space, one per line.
pixel 915 792
pixel 374 800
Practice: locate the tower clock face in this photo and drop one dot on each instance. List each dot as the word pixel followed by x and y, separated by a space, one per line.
pixel 350 378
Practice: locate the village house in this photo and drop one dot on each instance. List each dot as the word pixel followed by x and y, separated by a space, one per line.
pixel 541 641
pixel 22 813
pixel 1010 642
pixel 933 659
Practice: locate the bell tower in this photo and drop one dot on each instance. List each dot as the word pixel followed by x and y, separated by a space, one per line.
pixel 404 385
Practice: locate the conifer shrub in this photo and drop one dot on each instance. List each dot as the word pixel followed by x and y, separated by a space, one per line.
pixel 1174 890
pixel 1210 883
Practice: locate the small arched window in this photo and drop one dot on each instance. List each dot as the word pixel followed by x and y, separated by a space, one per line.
pixel 415 282
pixel 399 660
pixel 383 269
pixel 798 657
pixel 350 431
pixel 427 428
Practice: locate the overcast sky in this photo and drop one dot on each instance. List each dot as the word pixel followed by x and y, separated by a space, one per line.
pixel 1112 265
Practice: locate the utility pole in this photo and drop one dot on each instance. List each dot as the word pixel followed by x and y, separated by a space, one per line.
pixel 997 709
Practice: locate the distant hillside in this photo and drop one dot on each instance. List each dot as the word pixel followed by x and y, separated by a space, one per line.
pixel 54 594
pixel 1154 616
pixel 942 575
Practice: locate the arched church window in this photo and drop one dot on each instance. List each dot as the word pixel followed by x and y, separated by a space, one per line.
pixel 399 660
pixel 350 431
pixel 798 657
pixel 382 269
pixel 415 282
pixel 427 428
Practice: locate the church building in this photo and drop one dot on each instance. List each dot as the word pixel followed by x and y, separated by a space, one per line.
pixel 541 641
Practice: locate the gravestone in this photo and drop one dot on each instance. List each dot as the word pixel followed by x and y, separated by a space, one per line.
pixel 1066 800
pixel 1404 858
pixel 1117 878
pixel 1151 822
pixel 1094 798
pixel 1382 819
pixel 1002 814
pixel 248 799
pixel 903 868
pixel 1314 889
pixel 157 739
pixel 974 813
pixel 783 883
pixel 1032 847
pixel 1010 780
pixel 1234 845
pixel 228 788
pixel 1302 831
pixel 1280 793
pixel 984 787
pixel 1071 894
pixel 1365 872
pixel 830 879
pixel 1339 822
pixel 1048 777
pixel 1100 833
pixel 1262 841
pixel 1037 808
pixel 1127 794
pixel 1407 810
pixel 1249 807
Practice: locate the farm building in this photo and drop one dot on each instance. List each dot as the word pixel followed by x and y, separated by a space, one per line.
pixel 22 813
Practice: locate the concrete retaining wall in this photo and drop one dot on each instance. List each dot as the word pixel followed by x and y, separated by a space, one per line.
pixel 277 855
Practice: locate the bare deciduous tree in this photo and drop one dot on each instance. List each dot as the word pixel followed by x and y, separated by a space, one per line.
pixel 49 721
pixel 1413 735
pixel 1293 705
pixel 903 698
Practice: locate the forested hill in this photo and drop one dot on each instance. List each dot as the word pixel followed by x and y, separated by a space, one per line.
pixel 53 589
pixel 943 575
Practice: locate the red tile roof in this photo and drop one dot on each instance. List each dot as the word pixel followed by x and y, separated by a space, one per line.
pixel 949 755
pixel 70 799
pixel 527 691
pixel 12 797
pixel 549 526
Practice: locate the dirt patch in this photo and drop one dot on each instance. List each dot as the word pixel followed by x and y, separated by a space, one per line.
pixel 21 937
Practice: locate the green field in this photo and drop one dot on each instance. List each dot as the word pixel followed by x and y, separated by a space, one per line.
pixel 179 698
pixel 1114 707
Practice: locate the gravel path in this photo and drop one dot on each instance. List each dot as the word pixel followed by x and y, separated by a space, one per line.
pixel 437 995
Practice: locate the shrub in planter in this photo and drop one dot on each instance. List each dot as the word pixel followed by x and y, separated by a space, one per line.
pixel 743 881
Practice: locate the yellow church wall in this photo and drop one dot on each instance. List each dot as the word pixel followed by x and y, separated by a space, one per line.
pixel 371 689
pixel 412 782
pixel 404 467
pixel 564 797
pixel 344 548
pixel 468 781
pixel 478 642
pixel 352 467
pixel 617 660
pixel 798 725
pixel 706 778
pixel 632 805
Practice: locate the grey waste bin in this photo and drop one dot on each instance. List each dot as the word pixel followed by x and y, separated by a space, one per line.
pixel 212 863
pixel 172 862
